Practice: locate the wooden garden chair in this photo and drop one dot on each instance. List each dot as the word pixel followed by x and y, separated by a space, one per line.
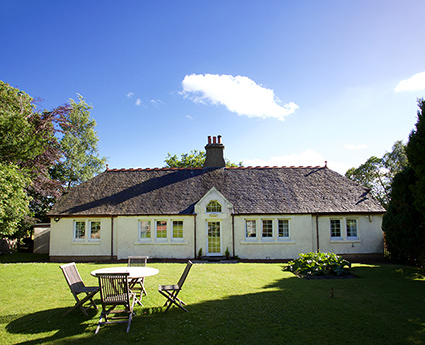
pixel 170 292
pixel 114 292
pixel 77 287
pixel 138 284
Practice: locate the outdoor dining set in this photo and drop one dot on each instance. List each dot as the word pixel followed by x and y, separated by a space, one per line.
pixel 120 287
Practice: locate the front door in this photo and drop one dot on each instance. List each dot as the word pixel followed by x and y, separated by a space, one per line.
pixel 213 238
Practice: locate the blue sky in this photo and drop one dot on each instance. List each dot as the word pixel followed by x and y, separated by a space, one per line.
pixel 283 82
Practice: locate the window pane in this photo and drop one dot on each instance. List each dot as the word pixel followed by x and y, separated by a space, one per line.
pixel 95 230
pixel 283 228
pixel 267 228
pixel 351 227
pixel 145 229
pixel 335 228
pixel 177 229
pixel 80 230
pixel 251 228
pixel 161 229
pixel 213 206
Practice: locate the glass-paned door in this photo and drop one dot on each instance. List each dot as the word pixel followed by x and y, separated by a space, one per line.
pixel 213 238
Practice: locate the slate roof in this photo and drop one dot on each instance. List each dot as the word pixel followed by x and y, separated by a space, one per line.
pixel 251 190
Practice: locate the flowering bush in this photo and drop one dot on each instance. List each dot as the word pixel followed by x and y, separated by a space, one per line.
pixel 317 264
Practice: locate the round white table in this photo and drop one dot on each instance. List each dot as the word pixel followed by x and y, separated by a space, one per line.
pixel 133 272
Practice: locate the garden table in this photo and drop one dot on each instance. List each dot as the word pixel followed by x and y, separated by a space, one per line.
pixel 133 272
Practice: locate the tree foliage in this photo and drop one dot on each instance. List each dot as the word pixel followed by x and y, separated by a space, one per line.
pixel 13 198
pixel 377 174
pixel 30 150
pixel 404 222
pixel 194 159
pixel 81 159
pixel 416 154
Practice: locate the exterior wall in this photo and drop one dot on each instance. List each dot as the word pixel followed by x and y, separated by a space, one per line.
pixel 130 243
pixel 63 245
pixel 203 217
pixel 300 238
pixel 41 238
pixel 369 239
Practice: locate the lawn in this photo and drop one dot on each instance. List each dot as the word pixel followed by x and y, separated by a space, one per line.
pixel 243 303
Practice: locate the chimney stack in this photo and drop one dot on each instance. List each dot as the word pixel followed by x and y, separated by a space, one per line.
pixel 214 153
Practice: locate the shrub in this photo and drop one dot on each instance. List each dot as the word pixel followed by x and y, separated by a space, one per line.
pixel 317 264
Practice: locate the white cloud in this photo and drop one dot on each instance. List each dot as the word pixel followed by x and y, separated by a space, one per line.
pixel 138 102
pixel 239 94
pixel 352 147
pixel 130 94
pixel 189 117
pixel 417 82
pixel 304 159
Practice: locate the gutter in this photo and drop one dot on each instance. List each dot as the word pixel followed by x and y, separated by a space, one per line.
pixel 194 235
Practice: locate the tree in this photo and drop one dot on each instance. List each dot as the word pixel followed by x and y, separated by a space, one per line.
pixel 377 174
pixel 194 159
pixel 416 154
pixel 81 160
pixel 403 225
pixel 404 222
pixel 13 198
pixel 28 149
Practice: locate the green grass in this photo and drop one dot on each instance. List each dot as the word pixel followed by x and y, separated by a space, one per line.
pixel 228 303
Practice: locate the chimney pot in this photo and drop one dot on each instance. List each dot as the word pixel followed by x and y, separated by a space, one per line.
pixel 219 139
pixel 214 140
pixel 209 140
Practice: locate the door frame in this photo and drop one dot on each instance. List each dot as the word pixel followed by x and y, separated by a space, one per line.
pixel 207 221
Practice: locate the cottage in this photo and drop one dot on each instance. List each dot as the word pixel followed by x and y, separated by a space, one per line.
pixel 258 213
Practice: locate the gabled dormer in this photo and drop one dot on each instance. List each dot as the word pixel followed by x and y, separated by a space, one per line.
pixel 214 203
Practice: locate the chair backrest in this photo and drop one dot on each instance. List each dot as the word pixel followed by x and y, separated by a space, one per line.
pixel 72 276
pixel 184 275
pixel 140 261
pixel 114 288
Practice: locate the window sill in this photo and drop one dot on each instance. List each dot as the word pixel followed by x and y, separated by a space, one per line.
pixel 155 243
pixel 279 242
pixel 86 242
pixel 348 240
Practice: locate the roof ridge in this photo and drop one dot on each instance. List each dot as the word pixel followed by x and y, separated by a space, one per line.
pixel 230 168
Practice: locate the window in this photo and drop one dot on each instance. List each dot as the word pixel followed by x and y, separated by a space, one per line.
pixel 267 228
pixel 144 229
pixel 351 227
pixel 335 228
pixel 79 230
pixel 87 230
pixel 94 230
pixel 250 228
pixel 177 229
pixel 161 229
pixel 213 206
pixel 283 228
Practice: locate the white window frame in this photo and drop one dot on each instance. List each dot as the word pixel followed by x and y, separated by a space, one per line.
pixel 161 239
pixel 172 230
pixel 267 238
pixel 89 234
pixel 217 203
pixel 356 237
pixel 145 239
pixel 87 231
pixel 340 228
pixel 289 229
pixel 79 239
pixel 251 238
